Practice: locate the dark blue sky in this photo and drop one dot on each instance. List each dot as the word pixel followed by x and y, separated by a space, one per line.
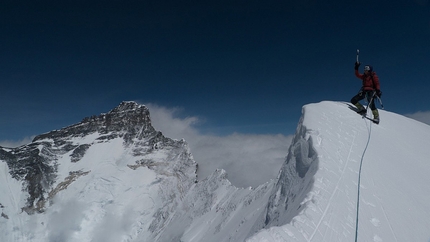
pixel 244 66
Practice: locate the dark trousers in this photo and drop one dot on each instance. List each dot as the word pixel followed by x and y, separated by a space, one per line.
pixel 364 94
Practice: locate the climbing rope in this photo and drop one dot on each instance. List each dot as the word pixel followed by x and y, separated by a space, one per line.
pixel 359 179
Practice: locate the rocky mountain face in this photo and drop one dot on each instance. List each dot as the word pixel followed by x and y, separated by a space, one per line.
pixel 116 168
pixel 36 164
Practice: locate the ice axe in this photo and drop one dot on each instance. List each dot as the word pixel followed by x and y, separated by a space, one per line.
pixel 358 52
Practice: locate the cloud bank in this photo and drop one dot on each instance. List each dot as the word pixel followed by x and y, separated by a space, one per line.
pixel 249 159
pixel 420 116
pixel 14 144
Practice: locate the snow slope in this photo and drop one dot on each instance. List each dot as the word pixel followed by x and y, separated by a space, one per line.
pixel 130 183
pixel 394 202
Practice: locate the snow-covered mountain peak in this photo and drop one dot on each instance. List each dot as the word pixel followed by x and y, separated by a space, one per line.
pixel 128 106
pixel 124 136
pixel 128 120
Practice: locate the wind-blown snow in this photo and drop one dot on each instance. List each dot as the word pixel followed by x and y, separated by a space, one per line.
pixel 120 192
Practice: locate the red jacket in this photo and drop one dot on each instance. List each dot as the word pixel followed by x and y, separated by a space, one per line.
pixel 370 82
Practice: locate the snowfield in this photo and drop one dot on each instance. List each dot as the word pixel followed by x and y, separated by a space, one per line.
pixel 394 191
pixel 338 166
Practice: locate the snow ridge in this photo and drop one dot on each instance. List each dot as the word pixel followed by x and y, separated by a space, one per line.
pixel 295 179
pixel 393 196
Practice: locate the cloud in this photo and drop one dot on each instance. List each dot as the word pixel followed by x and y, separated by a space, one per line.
pixel 64 219
pixel 114 226
pixel 249 159
pixel 69 216
pixel 16 143
pixel 420 116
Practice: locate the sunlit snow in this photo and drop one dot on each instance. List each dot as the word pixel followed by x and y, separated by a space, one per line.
pixel 314 197
pixel 395 191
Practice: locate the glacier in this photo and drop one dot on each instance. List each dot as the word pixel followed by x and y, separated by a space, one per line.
pixel 113 177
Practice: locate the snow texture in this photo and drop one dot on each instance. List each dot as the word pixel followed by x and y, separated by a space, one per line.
pixel 395 196
pixel 115 178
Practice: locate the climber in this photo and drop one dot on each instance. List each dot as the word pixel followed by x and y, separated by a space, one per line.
pixel 370 88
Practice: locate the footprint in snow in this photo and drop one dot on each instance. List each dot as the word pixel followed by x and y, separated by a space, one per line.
pixel 375 222
pixel 376 238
